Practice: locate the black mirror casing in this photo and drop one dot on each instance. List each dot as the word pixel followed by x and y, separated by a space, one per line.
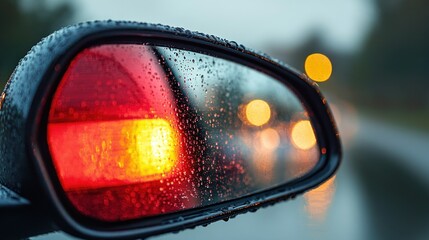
pixel 24 112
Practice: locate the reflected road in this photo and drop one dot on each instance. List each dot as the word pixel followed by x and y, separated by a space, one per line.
pixel 380 192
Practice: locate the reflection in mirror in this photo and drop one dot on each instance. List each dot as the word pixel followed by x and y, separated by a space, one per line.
pixel 137 131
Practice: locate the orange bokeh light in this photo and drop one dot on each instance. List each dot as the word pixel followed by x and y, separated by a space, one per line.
pixel 318 67
pixel 303 135
pixel 258 112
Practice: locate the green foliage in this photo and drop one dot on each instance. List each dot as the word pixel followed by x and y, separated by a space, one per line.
pixel 22 27
pixel 392 70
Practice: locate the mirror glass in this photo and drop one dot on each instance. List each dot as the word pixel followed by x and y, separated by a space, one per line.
pixel 137 130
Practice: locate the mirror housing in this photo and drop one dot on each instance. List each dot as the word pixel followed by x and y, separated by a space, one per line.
pixel 28 96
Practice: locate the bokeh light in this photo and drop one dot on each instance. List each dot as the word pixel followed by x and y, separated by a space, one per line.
pixel 303 135
pixel 318 67
pixel 270 138
pixel 258 112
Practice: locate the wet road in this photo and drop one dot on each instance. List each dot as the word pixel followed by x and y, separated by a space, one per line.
pixel 411 147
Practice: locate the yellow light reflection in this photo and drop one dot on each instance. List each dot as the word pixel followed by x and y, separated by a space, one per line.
pixel 318 67
pixel 303 135
pixel 258 112
pixel 319 199
pixel 269 138
pixel 155 150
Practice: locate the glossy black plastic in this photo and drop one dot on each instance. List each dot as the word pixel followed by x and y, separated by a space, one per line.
pixel 24 119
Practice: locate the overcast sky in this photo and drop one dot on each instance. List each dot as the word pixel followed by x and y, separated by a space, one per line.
pixel 342 23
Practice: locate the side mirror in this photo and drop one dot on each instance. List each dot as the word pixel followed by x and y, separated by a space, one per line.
pixel 135 130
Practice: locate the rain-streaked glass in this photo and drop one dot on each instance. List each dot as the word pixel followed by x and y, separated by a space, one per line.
pixel 138 130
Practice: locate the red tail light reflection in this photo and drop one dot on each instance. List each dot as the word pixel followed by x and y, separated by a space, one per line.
pixel 114 136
